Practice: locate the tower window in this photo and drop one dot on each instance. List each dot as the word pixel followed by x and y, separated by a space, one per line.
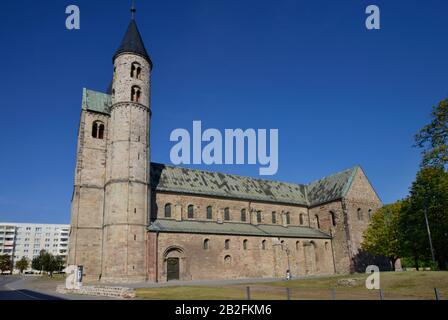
pixel 245 244
pixel 168 210
pixel 243 215
pixel 370 214
pixel 98 130
pixel 316 217
pixel 259 216
pixel 226 214
pixel 136 94
pixel 288 218
pixel 136 70
pixel 227 244
pixel 209 213
pixel 190 212
pixel 274 217
pixel 301 219
pixel 263 245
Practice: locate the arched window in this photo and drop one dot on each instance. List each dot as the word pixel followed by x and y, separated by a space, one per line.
pixel 226 214
pixel 206 244
pixel 190 212
pixel 370 214
pixel 243 215
pixel 259 216
pixel 135 94
pixel 245 244
pixel 227 244
pixel 98 130
pixel 168 210
pixel 263 245
pixel 136 70
pixel 227 260
pixel 316 217
pixel 274 217
pixel 359 214
pixel 301 219
pixel 327 246
pixel 288 218
pixel 333 218
pixel 297 245
pixel 209 213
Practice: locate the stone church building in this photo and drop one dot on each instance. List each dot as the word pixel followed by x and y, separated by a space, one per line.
pixel 133 220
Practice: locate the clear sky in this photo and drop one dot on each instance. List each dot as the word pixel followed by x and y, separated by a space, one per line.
pixel 339 94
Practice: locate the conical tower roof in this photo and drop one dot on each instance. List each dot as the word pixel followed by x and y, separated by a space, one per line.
pixel 133 43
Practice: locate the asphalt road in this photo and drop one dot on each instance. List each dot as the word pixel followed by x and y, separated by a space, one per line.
pixel 11 289
pixel 23 288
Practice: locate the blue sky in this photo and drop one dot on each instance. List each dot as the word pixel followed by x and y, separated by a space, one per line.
pixel 339 94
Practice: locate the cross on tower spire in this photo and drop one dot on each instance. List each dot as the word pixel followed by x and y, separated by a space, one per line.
pixel 133 10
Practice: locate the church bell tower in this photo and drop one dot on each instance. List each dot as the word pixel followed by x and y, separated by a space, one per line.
pixel 127 183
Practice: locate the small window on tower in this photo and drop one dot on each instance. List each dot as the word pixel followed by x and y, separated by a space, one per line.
pixel 135 94
pixel 136 70
pixel 98 130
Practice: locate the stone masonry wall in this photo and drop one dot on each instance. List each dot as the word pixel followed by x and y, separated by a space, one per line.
pixel 306 256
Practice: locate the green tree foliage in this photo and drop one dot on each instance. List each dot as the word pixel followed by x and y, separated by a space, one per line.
pixel 433 138
pixel 22 264
pixel 430 192
pixel 381 238
pixel 413 236
pixel 48 263
pixel 5 263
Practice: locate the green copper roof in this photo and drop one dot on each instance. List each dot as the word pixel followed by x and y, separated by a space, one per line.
pixel 330 188
pixel 182 180
pixel 230 228
pixel 167 178
pixel 96 101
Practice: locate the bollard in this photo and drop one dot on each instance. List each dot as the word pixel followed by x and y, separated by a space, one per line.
pixel 248 293
pixel 381 294
pixel 333 293
pixel 288 294
pixel 436 291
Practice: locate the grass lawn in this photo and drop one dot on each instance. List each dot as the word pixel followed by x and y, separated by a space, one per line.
pixel 396 285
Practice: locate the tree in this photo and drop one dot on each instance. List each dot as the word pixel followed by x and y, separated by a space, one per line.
pixel 36 263
pixel 381 238
pixel 22 264
pixel 412 234
pixel 433 138
pixel 47 262
pixel 5 263
pixel 429 193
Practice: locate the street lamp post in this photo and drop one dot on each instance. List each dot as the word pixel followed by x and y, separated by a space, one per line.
pixel 429 234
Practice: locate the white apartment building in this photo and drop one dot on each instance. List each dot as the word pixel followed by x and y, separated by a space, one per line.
pixel 28 239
